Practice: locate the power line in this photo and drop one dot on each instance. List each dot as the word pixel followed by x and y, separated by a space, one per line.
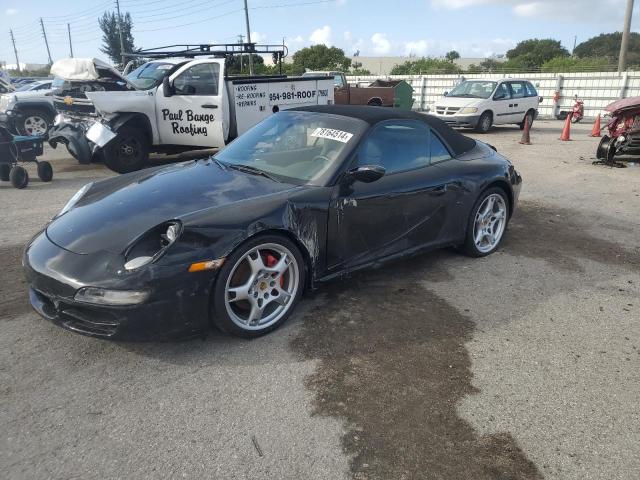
pixel 193 23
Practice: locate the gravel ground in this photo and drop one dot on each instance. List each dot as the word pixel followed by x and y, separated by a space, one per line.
pixel 523 364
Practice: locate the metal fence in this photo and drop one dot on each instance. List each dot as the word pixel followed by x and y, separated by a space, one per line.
pixel 596 89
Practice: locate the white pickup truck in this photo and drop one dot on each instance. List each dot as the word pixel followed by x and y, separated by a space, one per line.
pixel 166 105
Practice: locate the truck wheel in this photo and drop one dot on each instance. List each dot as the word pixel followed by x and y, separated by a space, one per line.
pixel 375 102
pixel 45 172
pixel 5 168
pixel 19 177
pixel 128 152
pixel 34 123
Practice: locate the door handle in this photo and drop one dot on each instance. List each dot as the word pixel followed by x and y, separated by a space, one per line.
pixel 511 105
pixel 515 104
pixel 209 105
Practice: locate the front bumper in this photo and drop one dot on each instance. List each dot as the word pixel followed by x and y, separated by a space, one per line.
pixel 458 121
pixel 177 308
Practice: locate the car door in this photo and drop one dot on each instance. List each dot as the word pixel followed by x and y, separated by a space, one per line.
pixel 193 114
pixel 501 104
pixel 518 104
pixel 341 90
pixel 405 209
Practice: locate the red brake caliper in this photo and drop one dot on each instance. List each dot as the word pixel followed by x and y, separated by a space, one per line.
pixel 271 262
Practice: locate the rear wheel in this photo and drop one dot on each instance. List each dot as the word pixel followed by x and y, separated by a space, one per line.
pixel 485 122
pixel 19 177
pixel 258 286
pixel 529 115
pixel 128 152
pixel 487 223
pixel 374 102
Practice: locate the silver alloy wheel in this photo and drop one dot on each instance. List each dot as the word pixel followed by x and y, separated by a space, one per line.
pixel 261 286
pixel 35 125
pixel 490 223
pixel 486 123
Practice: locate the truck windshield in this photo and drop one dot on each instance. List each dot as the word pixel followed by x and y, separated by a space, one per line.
pixel 304 148
pixel 473 89
pixel 149 75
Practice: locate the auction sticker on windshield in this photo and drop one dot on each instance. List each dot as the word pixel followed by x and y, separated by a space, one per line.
pixel 332 134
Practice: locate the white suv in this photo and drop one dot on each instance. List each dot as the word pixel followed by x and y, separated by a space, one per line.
pixel 480 104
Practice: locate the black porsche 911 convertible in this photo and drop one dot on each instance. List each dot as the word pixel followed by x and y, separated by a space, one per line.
pixel 305 196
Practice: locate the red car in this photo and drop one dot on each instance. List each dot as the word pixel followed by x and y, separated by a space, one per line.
pixel 624 130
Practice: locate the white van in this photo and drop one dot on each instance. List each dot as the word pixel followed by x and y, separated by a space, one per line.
pixel 480 104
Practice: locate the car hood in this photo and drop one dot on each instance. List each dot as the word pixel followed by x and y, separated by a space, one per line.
pixel 458 102
pixel 116 211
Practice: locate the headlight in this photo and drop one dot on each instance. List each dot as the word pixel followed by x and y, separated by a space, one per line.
pixel 103 296
pixel 75 199
pixel 59 119
pixel 152 245
pixel 468 110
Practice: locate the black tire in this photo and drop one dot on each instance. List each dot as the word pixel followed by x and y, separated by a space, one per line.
pixel 469 247
pixel 524 120
pixel 45 172
pixel 19 177
pixel 375 102
pixel 5 169
pixel 128 152
pixel 485 122
pixel 221 317
pixel 30 118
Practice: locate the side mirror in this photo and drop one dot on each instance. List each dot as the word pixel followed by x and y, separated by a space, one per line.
pixel 445 93
pixel 540 99
pixel 167 89
pixel 367 173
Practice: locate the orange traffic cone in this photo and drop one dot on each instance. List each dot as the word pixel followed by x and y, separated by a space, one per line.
pixel 526 137
pixel 595 132
pixel 566 131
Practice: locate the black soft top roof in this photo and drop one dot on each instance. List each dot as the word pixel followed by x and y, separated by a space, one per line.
pixel 373 115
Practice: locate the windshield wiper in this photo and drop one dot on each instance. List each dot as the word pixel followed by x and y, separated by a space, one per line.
pixel 251 170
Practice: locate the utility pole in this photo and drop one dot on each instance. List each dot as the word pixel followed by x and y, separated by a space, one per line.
pixel 13 41
pixel 44 34
pixel 246 17
pixel 624 46
pixel 124 59
pixel 240 41
pixel 70 44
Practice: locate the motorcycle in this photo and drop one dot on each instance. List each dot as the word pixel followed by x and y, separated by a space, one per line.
pixel 578 111
pixel 623 131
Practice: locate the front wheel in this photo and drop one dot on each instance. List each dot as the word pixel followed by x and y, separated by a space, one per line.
pixel 258 286
pixel 487 223
pixel 485 122
pixel 128 152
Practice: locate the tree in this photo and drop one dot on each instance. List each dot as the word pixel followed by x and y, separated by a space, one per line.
pixel 424 65
pixel 531 54
pixel 452 55
pixel 607 45
pixel 320 57
pixel 234 62
pixel 574 64
pixel 359 71
pixel 111 36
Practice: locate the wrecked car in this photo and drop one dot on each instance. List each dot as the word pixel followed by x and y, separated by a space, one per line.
pixel 305 196
pixel 624 130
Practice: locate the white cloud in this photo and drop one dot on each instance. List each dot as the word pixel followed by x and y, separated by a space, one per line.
pixel 352 44
pixel 11 11
pixel 321 36
pixel 381 45
pixel 416 48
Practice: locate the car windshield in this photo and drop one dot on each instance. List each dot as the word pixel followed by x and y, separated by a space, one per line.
pixel 149 75
pixel 27 87
pixel 304 148
pixel 473 89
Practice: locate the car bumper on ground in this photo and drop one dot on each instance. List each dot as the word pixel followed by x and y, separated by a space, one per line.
pixel 459 121
pixel 178 305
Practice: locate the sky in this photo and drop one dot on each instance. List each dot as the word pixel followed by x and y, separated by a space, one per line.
pixel 475 28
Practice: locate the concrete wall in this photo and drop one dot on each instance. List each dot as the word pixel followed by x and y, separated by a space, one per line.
pixel 597 89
